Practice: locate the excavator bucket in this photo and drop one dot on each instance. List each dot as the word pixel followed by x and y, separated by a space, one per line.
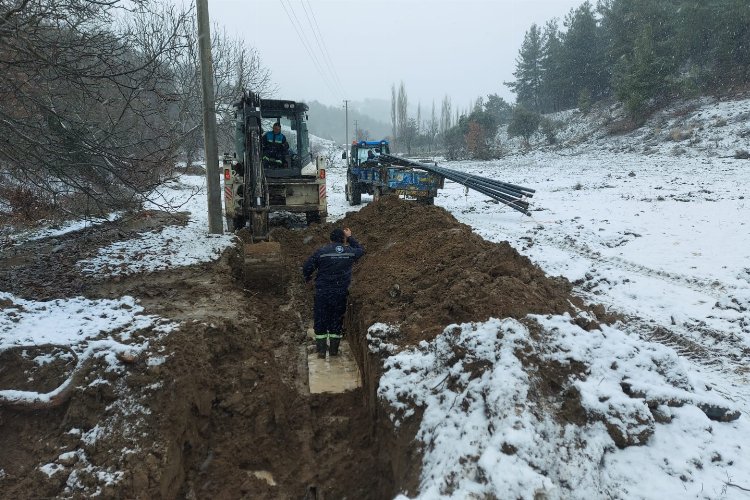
pixel 263 268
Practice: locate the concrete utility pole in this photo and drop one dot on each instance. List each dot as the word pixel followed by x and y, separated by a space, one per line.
pixel 346 105
pixel 356 131
pixel 213 185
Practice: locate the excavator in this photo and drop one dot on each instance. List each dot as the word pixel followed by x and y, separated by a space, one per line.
pixel 256 186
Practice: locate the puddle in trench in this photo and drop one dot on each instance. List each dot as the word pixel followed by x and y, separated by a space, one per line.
pixel 335 373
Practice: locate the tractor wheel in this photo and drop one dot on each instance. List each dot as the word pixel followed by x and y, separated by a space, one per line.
pixel 353 193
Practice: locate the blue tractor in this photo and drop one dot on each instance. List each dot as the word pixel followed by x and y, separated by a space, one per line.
pixel 369 172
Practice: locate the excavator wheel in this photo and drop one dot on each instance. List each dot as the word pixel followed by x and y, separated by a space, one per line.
pixel 236 223
pixel 263 269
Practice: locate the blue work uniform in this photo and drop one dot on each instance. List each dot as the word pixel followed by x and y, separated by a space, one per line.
pixel 275 148
pixel 333 262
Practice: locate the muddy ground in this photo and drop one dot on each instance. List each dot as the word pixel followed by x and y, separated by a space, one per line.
pixel 229 414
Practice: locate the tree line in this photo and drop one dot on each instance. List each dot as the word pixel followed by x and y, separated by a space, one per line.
pixel 457 133
pixel 99 99
pixel 643 52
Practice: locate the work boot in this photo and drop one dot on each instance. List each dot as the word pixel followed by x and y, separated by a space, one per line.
pixel 320 345
pixel 334 347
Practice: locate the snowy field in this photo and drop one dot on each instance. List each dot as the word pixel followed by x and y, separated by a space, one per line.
pixel 661 240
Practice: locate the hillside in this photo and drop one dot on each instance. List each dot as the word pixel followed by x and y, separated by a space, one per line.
pixel 707 127
pixel 330 122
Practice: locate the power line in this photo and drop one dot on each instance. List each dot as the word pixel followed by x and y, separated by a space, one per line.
pixel 303 40
pixel 321 43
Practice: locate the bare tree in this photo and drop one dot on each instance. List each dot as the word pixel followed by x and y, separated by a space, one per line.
pixel 433 128
pixel 237 67
pixel 394 127
pixel 445 115
pixel 409 134
pixel 402 116
pixel 85 98
pixel 97 98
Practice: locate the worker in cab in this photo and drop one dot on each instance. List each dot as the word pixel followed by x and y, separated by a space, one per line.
pixel 370 155
pixel 333 264
pixel 275 147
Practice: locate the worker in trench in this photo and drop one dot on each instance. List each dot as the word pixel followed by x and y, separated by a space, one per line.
pixel 333 263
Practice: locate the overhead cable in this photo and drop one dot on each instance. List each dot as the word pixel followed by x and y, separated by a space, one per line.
pixel 308 48
pixel 321 43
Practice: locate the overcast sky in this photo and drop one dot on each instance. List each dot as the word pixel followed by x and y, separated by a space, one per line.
pixel 462 48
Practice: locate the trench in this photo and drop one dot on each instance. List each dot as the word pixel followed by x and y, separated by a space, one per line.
pixel 252 429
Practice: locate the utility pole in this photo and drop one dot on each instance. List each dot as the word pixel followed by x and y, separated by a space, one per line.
pixel 213 186
pixel 356 131
pixel 346 105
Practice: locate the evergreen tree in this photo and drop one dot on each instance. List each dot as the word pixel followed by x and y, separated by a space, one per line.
pixel 498 109
pixel 640 77
pixel 733 50
pixel 523 123
pixel 644 51
pixel 527 85
pixel 582 57
pixel 552 81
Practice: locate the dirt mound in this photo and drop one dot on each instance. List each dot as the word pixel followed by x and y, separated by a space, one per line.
pixel 425 270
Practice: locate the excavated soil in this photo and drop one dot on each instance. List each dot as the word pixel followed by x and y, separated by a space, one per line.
pixel 229 413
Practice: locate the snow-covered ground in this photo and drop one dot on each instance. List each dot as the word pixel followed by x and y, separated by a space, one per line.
pixel 661 239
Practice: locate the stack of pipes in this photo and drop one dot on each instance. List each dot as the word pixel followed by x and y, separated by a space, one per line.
pixel 511 195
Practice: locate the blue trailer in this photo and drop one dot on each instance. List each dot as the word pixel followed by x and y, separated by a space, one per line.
pixel 366 173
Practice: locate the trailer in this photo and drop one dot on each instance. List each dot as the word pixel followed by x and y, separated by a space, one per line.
pixel 367 172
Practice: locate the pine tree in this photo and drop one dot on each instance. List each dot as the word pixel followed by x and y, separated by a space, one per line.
pixel 582 57
pixel 527 85
pixel 523 123
pixel 640 79
pixel 498 109
pixel 552 77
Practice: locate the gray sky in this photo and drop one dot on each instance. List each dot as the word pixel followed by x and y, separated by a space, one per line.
pixel 462 48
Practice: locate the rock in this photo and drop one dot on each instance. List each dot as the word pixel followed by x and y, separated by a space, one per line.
pixel 632 429
pixel 719 413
